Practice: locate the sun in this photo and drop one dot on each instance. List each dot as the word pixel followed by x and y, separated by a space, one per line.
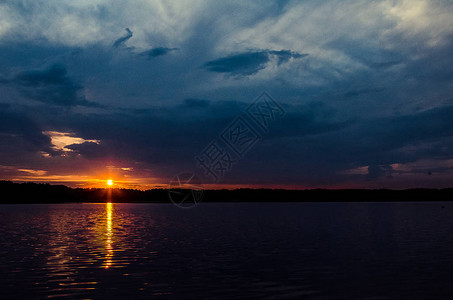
pixel 110 182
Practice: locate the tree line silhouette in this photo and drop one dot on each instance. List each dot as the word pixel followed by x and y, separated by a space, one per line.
pixel 46 193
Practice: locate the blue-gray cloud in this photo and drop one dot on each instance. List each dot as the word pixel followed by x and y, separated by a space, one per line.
pixel 285 55
pixel 249 63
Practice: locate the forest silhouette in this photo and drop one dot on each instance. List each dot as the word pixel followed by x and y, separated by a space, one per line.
pixel 46 193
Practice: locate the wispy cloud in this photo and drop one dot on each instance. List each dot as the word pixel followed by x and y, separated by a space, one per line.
pixel 120 42
pixel 63 141
pixel 33 172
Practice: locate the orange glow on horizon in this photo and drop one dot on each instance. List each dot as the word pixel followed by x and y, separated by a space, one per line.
pixel 97 175
pixel 86 181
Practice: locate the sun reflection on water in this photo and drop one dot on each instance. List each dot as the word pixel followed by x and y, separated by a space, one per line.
pixel 109 235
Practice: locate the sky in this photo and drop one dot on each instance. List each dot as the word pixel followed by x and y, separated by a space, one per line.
pixel 138 91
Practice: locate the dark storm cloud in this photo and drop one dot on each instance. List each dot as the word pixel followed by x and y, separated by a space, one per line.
pixel 172 137
pixel 158 51
pixel 316 143
pixel 311 144
pixel 249 63
pixel 375 171
pixel 20 136
pixel 164 137
pixel 387 140
pixel 315 147
pixel 15 125
pixel 384 65
pixel 88 149
pixel 359 92
pixel 396 132
pixel 309 119
pixel 50 85
pixel 196 103
pixel 119 42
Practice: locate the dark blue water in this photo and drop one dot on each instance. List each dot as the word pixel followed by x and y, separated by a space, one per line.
pixel 217 251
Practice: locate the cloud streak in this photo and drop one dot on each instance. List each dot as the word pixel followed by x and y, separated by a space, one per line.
pixel 249 63
pixel 158 51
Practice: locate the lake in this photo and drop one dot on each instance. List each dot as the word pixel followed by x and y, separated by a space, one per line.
pixel 228 250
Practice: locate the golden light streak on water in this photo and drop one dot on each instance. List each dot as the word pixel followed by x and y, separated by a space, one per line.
pixel 109 235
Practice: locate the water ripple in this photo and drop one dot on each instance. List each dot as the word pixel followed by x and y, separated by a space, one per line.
pixel 269 251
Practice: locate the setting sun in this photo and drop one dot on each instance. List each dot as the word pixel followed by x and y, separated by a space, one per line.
pixel 110 182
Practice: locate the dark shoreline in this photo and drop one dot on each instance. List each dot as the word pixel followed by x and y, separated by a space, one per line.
pixel 46 193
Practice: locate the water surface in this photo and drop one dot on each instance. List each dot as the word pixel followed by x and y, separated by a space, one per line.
pixel 248 250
